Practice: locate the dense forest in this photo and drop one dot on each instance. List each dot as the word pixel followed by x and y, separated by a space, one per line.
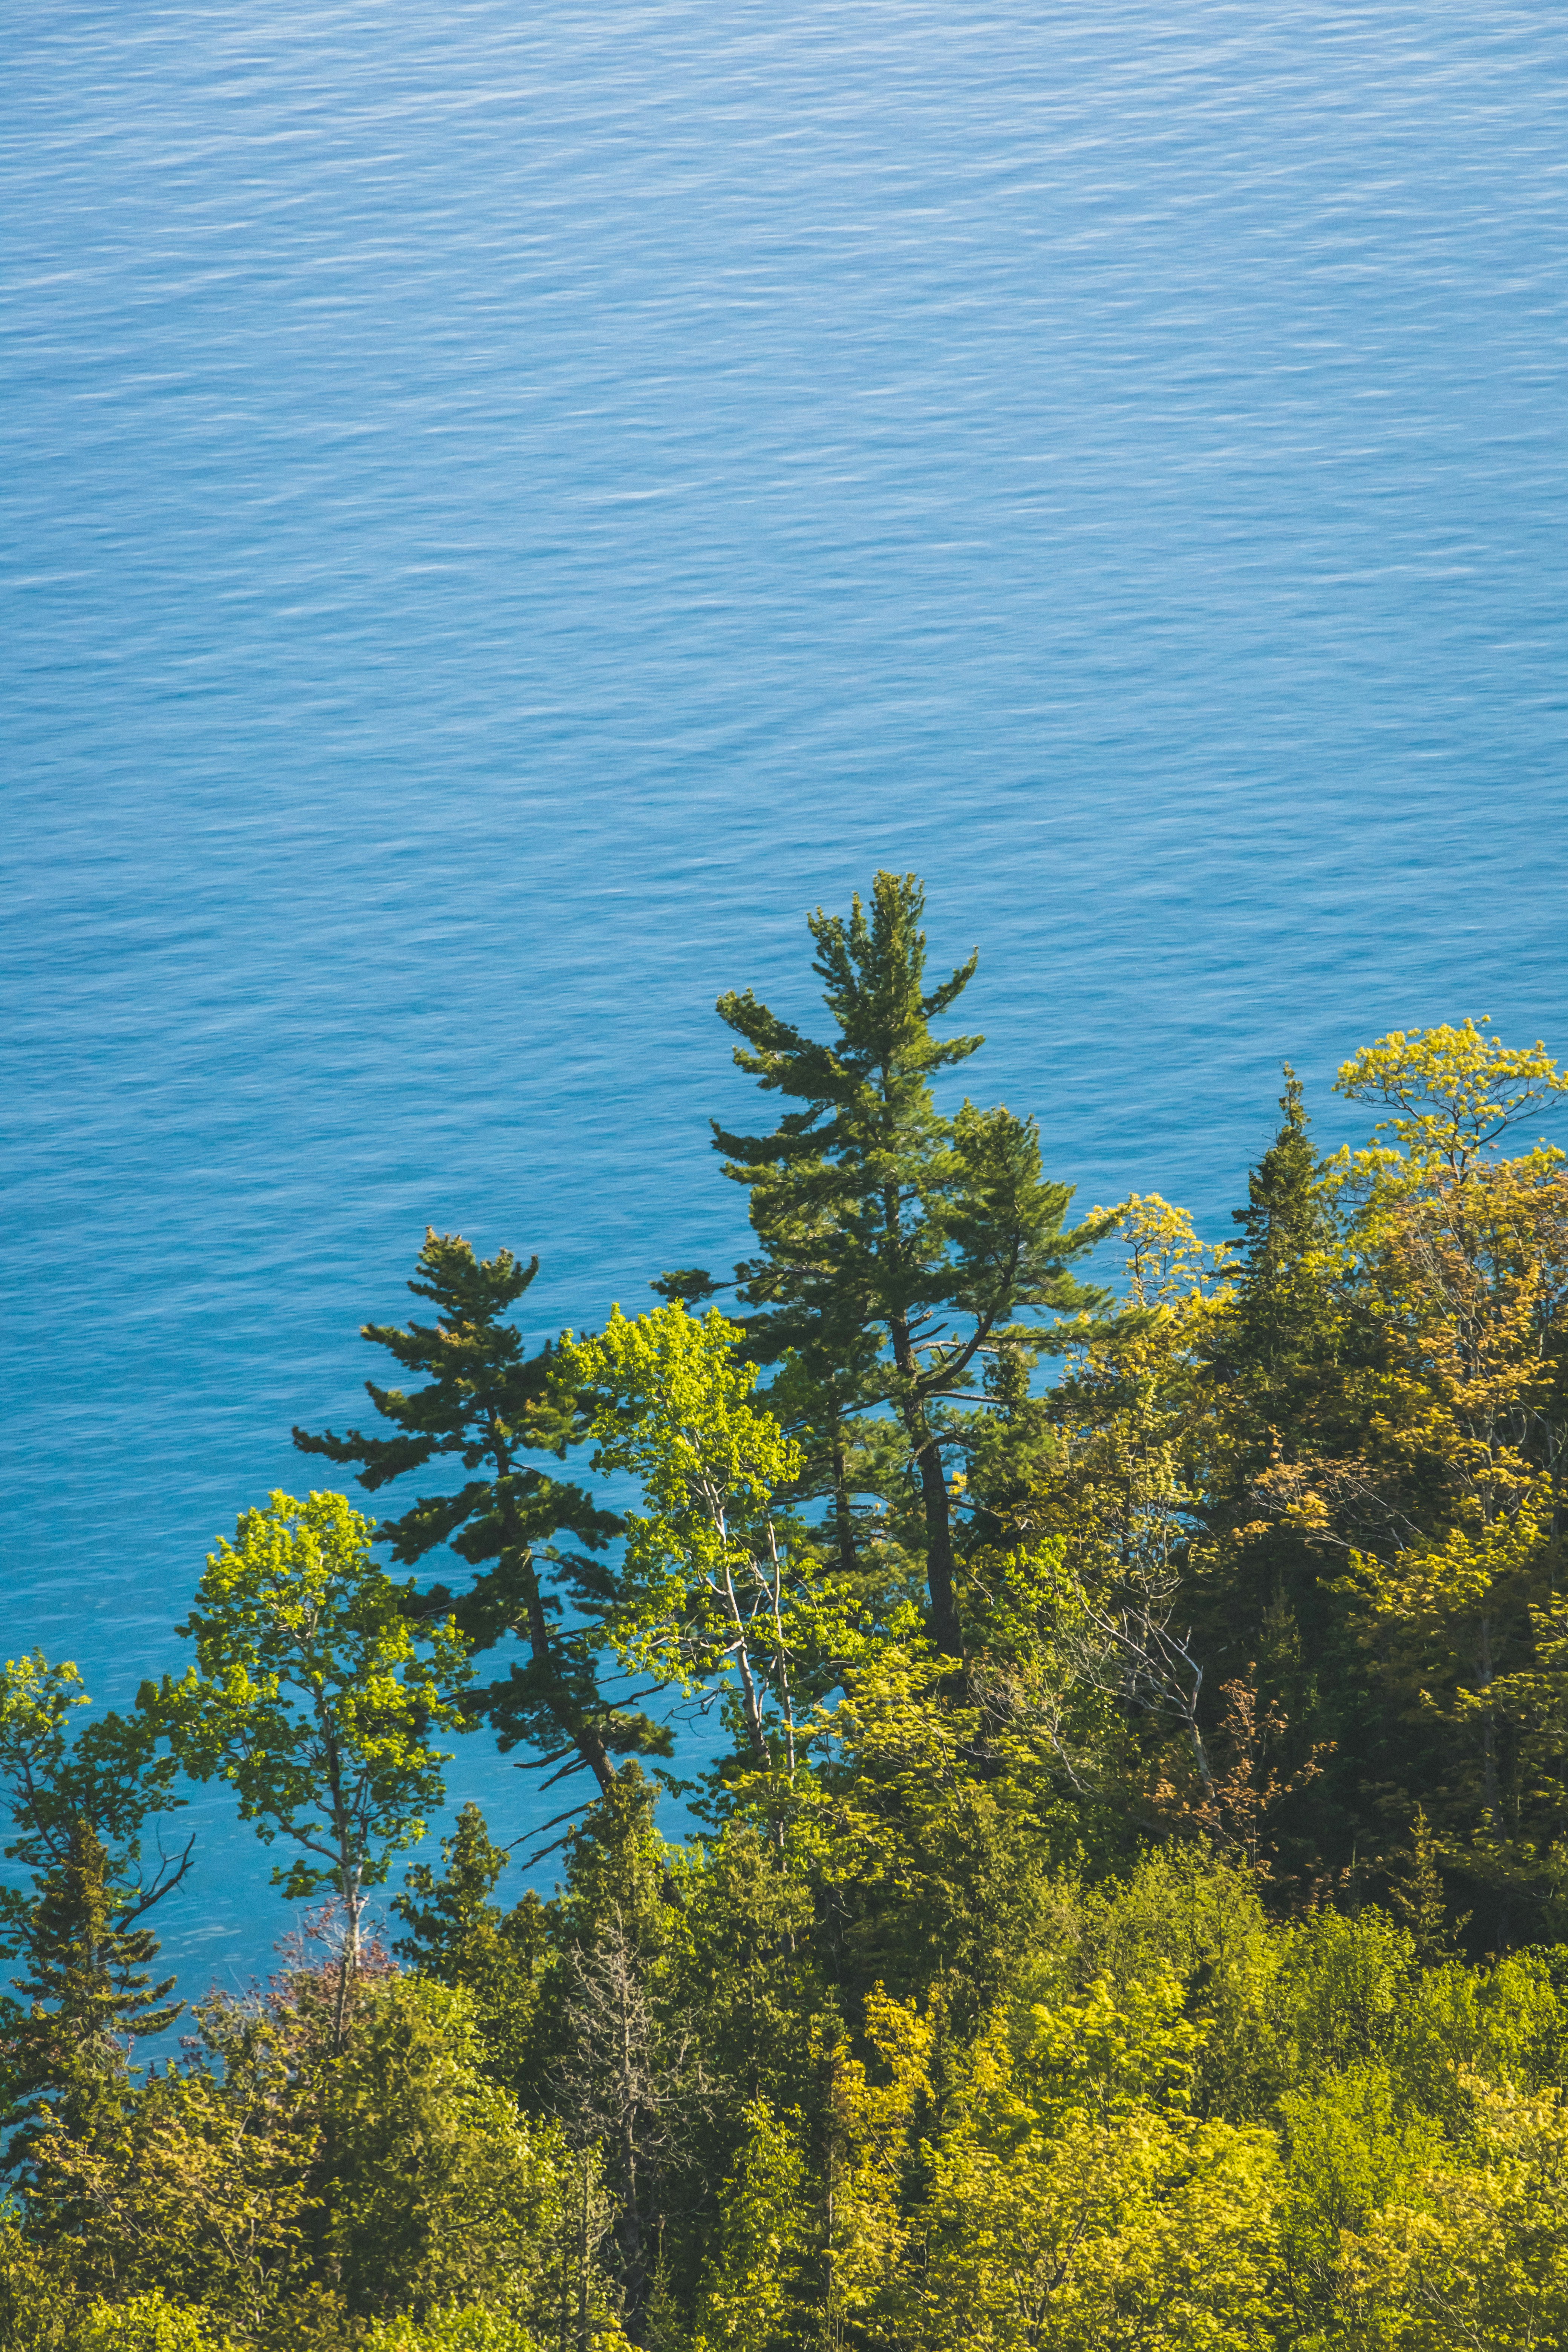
pixel 1128 1905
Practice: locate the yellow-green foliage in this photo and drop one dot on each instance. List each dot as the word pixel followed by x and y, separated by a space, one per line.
pixel 146 2323
pixel 755 2287
pixel 461 2329
pixel 1149 2232
pixel 35 2293
pixel 441 2191
pixel 469 2327
pixel 39 2313
pixel 1127 1915
pixel 1074 2201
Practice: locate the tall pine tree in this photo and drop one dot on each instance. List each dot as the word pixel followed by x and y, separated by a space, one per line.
pixel 488 1403
pixel 897 1246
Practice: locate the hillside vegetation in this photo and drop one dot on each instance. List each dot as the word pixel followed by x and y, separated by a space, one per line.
pixel 1128 1909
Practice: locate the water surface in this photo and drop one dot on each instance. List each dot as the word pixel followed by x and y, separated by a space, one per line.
pixel 507 507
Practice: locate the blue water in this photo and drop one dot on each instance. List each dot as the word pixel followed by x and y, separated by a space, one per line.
pixel 506 508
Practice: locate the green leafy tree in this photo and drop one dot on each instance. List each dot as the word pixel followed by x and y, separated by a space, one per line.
pixel 290 2190
pixel 1087 1621
pixel 487 1404
pixel 897 1246
pixel 35 2292
pixel 1395 1470
pixel 147 2323
pixel 927 1844
pixel 310 1697
pixel 706 1587
pixel 208 2191
pixel 1472 2248
pixel 470 2328
pixel 1066 2214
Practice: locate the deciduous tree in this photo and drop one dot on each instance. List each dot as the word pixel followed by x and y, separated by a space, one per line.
pixel 707 1583
pixel 312 1699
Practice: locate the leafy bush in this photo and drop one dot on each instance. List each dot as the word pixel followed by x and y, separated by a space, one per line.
pixel 146 2323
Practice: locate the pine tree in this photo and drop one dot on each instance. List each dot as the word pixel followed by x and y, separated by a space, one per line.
pixel 442 1914
pixel 459 1936
pixel 88 1997
pixel 489 1403
pixel 1286 1327
pixel 1288 1373
pixel 896 1244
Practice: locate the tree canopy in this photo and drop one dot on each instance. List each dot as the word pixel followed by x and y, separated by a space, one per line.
pixel 1125 1906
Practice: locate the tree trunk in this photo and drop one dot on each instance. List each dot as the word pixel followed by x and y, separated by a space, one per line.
pixel 586 1741
pixel 1489 1731
pixel 582 1736
pixel 843 1516
pixel 939 1564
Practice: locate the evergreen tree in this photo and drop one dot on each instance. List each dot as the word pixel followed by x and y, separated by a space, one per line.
pixel 88 1997
pixel 897 1246
pixel 488 1403
pixel 458 1935
pixel 78 1801
pixel 1285 1325
pixel 1283 1354
pixel 438 2192
pixel 1288 1362
pixel 442 1915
